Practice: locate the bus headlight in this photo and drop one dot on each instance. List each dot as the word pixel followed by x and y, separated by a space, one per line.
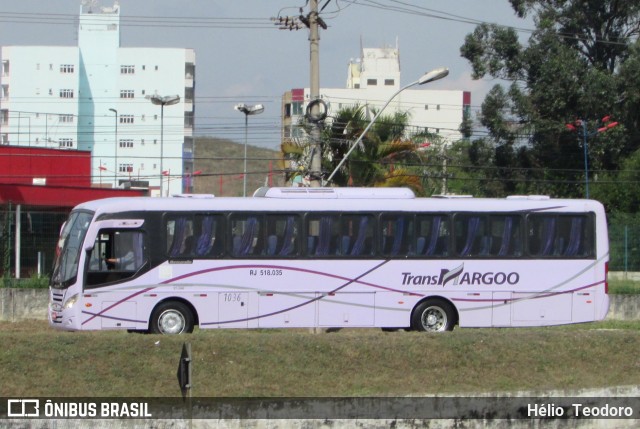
pixel 69 303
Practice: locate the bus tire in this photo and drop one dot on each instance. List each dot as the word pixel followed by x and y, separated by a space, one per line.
pixel 433 315
pixel 171 318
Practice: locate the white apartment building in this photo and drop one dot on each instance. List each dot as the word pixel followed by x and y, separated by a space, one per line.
pixel 96 97
pixel 371 80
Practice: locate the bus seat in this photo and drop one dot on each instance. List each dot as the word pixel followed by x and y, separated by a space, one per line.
pixel 345 242
pixel 420 245
pixel 485 246
pixel 311 244
pixel 237 242
pixel 272 243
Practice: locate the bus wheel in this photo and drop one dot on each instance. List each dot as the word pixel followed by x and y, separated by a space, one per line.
pixel 433 315
pixel 171 318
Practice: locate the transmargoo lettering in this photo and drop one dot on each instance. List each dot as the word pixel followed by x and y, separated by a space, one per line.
pixel 458 277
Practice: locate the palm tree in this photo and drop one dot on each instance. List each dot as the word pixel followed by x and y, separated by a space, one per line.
pixel 384 157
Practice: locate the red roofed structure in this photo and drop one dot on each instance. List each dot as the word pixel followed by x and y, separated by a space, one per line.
pixel 38 189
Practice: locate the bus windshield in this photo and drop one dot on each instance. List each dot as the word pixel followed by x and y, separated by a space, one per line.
pixel 65 267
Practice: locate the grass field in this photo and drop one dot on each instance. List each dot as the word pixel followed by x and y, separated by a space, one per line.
pixel 38 361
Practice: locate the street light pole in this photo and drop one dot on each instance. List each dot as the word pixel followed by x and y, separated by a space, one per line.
pixel 247 110
pixel 586 158
pixel 426 78
pixel 607 125
pixel 116 169
pixel 161 101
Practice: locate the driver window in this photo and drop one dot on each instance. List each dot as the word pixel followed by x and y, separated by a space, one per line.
pixel 116 255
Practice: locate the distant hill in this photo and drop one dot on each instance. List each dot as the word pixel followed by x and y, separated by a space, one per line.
pixel 222 162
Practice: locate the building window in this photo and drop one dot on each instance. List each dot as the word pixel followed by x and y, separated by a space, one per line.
pixel 372 82
pixel 66 119
pixel 126 143
pixel 126 119
pixel 156 68
pixel 125 168
pixel 127 93
pixel 66 93
pixel 112 27
pixel 389 82
pixel 296 108
pixel 127 69
pixel 66 68
pixel 438 107
pixel 65 143
pixel 426 107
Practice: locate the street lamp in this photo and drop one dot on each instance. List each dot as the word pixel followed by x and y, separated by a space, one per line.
pixel 247 110
pixel 607 125
pixel 162 101
pixel 115 115
pixel 431 76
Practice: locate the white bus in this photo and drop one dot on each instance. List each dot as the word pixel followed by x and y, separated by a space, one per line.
pixel 329 257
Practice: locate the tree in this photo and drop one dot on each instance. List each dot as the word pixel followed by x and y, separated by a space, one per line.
pixel 384 157
pixel 580 62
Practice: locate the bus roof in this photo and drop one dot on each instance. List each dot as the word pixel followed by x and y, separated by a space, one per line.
pixel 338 201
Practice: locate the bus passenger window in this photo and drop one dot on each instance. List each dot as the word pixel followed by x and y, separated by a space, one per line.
pixel 397 234
pixel 246 235
pixel 323 235
pixel 208 236
pixel 357 235
pixel 471 235
pixel 180 240
pixel 506 237
pixel 432 236
pixel 281 236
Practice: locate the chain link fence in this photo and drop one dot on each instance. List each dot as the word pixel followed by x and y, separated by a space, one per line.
pixel 39 230
pixel 624 246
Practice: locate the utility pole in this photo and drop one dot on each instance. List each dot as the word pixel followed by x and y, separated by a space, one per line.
pixel 315 109
pixel 314 50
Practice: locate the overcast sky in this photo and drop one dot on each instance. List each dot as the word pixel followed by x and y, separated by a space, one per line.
pixel 242 57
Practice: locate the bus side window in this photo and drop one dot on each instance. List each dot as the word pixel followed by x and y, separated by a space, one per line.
pixel 541 231
pixel 246 240
pixel 471 235
pixel 180 239
pixel 432 236
pixel 357 235
pixel 208 236
pixel 281 235
pixel 323 235
pixel 397 234
pixel 506 236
